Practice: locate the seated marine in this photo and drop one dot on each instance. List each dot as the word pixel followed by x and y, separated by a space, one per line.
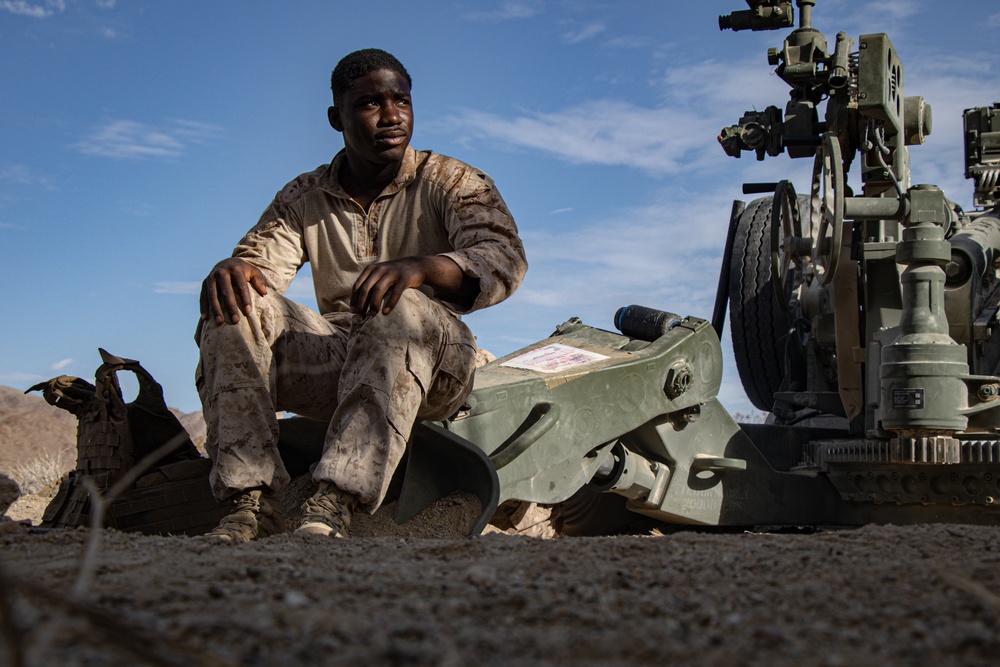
pixel 401 243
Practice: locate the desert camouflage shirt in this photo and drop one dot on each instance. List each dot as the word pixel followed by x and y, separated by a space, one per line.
pixel 436 205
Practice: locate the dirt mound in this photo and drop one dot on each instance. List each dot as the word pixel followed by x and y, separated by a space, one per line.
pixel 449 518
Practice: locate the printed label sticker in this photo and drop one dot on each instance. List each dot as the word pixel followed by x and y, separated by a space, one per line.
pixel 553 358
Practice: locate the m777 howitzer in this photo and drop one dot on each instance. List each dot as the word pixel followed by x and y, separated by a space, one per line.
pixel 878 309
pixel 864 324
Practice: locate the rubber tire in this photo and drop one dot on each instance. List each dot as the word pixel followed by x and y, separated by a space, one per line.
pixel 759 328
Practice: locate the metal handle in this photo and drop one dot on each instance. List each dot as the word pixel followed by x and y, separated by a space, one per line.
pixel 545 415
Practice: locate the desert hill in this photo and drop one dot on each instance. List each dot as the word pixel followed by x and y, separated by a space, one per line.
pixel 31 428
pixel 34 434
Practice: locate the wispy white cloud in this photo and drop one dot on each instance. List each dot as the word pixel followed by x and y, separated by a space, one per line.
pixel 678 134
pixel 508 10
pixel 61 365
pixel 588 31
pixel 852 14
pixel 108 33
pixel 855 18
pixel 23 175
pixel 132 139
pixel 33 9
pixel 606 132
pixel 601 265
pixel 177 287
pixel 626 42
pixel 722 90
pixel 898 9
pixel 194 132
pixel 302 288
pixel 106 4
pixel 993 20
pixel 139 209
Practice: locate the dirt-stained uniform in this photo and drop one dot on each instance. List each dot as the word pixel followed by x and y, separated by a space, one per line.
pixel 370 380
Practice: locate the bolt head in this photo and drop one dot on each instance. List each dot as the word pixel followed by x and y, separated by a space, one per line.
pixel 679 379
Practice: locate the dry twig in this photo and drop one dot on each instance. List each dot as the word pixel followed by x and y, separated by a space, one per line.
pixel 142 643
pixel 99 507
pixel 136 640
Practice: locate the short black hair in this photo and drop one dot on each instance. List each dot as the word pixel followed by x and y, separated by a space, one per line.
pixel 361 63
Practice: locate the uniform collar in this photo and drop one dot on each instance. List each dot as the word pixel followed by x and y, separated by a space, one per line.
pixel 407 172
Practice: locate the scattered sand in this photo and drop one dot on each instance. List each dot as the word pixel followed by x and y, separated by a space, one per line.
pixel 449 518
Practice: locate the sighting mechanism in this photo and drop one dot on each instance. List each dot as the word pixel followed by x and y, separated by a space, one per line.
pixel 982 153
pixel 762 15
pixel 817 73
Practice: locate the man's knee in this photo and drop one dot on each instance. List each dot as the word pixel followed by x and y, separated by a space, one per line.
pixel 210 334
pixel 415 317
pixel 210 328
pixel 412 303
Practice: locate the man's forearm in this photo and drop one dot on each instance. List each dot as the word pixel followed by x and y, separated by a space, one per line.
pixel 449 282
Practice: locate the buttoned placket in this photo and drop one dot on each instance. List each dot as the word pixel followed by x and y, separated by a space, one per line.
pixel 366 226
pixel 366 229
pixel 371 221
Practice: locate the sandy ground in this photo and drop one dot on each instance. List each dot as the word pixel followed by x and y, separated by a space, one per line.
pixel 423 594
pixel 914 595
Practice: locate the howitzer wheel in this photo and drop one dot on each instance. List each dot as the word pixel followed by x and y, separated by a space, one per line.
pixel 827 216
pixel 758 322
pixel 787 243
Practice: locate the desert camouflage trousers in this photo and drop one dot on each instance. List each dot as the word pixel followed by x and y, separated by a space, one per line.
pixel 369 380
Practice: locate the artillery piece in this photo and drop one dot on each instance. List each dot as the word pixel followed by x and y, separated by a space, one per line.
pixel 878 309
pixel 864 324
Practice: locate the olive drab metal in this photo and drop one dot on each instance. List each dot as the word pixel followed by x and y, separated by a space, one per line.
pixel 866 329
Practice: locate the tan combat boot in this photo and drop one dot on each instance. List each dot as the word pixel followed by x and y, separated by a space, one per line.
pixel 328 512
pixel 254 515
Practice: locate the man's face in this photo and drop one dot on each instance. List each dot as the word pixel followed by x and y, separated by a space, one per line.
pixel 375 117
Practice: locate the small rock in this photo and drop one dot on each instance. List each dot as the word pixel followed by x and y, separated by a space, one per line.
pixel 296 599
pixel 480 575
pixel 9 492
pixel 8 527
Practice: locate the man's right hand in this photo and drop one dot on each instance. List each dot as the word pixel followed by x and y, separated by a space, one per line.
pixel 225 294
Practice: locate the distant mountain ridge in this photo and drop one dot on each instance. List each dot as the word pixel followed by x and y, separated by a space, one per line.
pixel 30 427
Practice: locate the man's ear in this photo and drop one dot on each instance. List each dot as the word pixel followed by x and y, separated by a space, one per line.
pixel 333 115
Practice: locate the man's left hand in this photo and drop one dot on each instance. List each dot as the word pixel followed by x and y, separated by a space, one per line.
pixel 380 286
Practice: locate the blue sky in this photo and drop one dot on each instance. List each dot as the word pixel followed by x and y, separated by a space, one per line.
pixel 139 139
